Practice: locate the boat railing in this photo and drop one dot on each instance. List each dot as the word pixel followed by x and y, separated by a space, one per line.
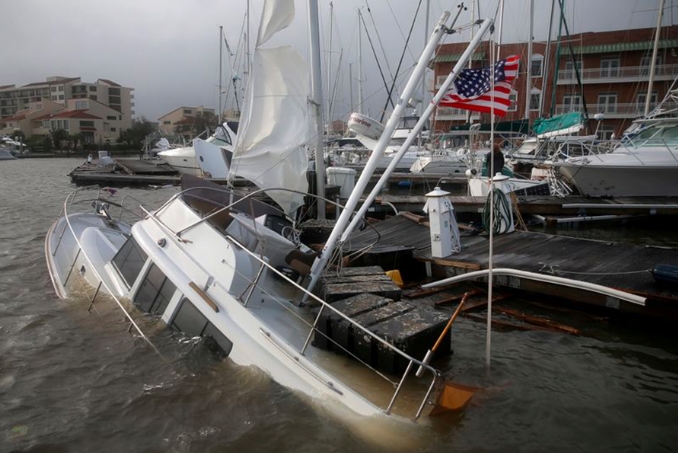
pixel 313 330
pixel 324 306
pixel 76 198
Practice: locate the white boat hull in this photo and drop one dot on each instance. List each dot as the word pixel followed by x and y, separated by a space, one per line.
pixel 622 175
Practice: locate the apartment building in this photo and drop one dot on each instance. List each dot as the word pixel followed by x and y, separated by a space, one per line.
pixel 104 108
pixel 181 120
pixel 604 74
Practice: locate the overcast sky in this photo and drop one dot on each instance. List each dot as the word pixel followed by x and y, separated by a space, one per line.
pixel 168 50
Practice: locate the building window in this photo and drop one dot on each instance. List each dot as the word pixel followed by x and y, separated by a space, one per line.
pixel 53 89
pixel 65 125
pixel 605 132
pixel 61 97
pixel 188 112
pixel 86 123
pixel 166 122
pixel 607 102
pixel 570 68
pixel 81 105
pixel 645 63
pixel 92 88
pixel 111 117
pixel 642 98
pixel 609 67
pixel 60 88
pixel 93 97
pixel 572 103
pixel 513 102
pixel 535 100
pixel 114 91
pixel 537 66
pixel 112 129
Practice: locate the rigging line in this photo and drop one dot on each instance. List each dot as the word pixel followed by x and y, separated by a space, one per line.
pixel 395 18
pixel 400 62
pixel 376 58
pixel 576 68
pixel 376 30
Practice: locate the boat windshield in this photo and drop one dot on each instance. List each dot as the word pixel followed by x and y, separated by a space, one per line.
pixel 655 136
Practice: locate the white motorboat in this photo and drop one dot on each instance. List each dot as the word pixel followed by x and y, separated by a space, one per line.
pixel 183 159
pixel 368 131
pixel 213 263
pixel 442 162
pixel 642 165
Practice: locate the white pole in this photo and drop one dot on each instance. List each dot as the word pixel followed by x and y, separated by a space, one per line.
pixel 654 57
pixel 221 34
pixel 351 203
pixel 329 72
pixel 487 23
pixel 317 93
pixel 360 65
pixel 528 78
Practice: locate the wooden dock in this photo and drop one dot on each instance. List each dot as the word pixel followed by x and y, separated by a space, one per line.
pixel 548 206
pixel 404 240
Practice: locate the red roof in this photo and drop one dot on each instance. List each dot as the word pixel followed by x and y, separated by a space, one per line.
pixel 88 128
pixel 4 87
pixel 18 116
pixel 82 114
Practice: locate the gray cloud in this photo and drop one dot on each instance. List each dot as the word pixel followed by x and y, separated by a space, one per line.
pixel 168 51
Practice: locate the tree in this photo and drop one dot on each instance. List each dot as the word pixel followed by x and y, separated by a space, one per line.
pixel 58 136
pixel 203 121
pixel 134 136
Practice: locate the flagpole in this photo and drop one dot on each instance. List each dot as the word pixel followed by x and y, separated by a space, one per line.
pixel 486 24
pixel 488 340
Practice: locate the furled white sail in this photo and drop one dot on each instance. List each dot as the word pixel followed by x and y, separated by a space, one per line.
pixel 275 126
pixel 276 16
pixel 276 123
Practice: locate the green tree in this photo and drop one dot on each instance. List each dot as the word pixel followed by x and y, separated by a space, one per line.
pixel 58 136
pixel 203 121
pixel 135 135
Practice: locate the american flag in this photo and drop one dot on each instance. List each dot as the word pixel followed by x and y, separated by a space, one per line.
pixel 472 88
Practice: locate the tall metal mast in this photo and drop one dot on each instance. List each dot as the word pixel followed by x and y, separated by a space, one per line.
pixel 317 100
pixel 660 15
pixel 221 28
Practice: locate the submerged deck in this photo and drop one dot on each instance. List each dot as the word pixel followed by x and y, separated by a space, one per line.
pixel 613 264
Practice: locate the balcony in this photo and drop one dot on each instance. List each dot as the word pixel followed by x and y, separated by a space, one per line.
pixel 617 75
pixel 611 111
pixel 452 114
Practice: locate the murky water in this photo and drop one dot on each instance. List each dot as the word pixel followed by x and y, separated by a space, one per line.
pixel 76 381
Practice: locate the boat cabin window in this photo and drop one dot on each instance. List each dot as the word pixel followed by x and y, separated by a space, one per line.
pixel 657 136
pixel 129 260
pixel 155 292
pixel 189 320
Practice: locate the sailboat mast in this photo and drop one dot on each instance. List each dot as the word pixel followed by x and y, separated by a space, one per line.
pixel 221 28
pixel 360 66
pixel 329 72
pixel 317 100
pixel 650 81
pixel 528 78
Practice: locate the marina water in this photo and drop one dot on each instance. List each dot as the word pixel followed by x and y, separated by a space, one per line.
pixel 77 381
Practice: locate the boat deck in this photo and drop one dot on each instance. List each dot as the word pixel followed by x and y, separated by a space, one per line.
pixel 616 265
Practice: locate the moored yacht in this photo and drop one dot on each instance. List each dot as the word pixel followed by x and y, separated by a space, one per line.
pixel 183 159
